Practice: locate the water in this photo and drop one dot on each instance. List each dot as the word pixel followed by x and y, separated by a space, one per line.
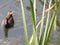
pixel 16 34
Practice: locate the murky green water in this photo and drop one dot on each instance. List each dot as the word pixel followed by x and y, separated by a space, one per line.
pixel 16 34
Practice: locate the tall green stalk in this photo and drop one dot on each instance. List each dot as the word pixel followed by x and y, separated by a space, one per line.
pixel 33 16
pixel 52 20
pixel 41 27
pixel 48 28
pixel 47 25
pixel 24 22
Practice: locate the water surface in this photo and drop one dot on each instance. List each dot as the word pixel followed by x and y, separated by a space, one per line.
pixel 16 34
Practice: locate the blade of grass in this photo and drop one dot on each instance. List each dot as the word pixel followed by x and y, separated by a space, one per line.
pixel 35 20
pixel 33 16
pixel 52 21
pixel 55 22
pixel 45 12
pixel 41 28
pixel 47 25
pixel 35 9
pixel 57 6
pixel 24 22
pixel 41 21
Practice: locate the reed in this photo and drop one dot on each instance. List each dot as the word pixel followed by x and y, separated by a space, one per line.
pixel 24 23
pixel 36 40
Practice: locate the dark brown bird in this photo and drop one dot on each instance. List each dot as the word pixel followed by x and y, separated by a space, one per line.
pixel 8 22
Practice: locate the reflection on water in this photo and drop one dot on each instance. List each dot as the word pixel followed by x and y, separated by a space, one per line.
pixel 6 32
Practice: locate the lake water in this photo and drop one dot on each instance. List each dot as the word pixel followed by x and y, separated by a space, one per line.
pixel 16 34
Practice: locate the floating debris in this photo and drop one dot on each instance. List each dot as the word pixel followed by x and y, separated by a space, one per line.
pixel 28 8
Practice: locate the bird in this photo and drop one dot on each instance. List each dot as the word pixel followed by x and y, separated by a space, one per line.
pixel 8 22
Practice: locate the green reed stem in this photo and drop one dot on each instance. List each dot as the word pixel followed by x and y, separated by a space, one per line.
pixel 24 22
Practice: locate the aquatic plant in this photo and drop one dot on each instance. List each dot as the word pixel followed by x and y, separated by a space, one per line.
pixel 40 40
